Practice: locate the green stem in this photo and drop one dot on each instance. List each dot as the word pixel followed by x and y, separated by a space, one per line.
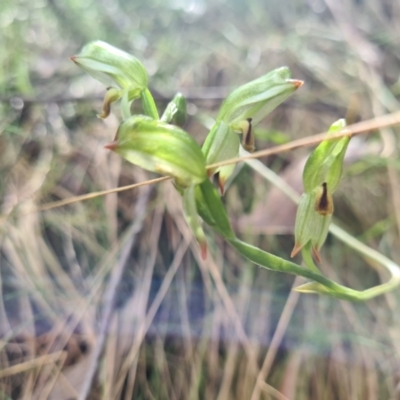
pixel 269 261
pixel 126 106
pixel 211 209
pixel 148 104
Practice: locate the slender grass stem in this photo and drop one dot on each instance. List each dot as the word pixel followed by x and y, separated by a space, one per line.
pixel 109 295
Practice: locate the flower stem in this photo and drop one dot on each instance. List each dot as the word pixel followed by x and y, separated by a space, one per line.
pixel 148 104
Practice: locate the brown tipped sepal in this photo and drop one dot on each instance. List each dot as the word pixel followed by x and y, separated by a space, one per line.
pixel 296 82
pixel 296 249
pixel 112 66
pixel 256 99
pixel 111 146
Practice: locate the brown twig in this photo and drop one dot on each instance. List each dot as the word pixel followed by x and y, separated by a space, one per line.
pixel 353 130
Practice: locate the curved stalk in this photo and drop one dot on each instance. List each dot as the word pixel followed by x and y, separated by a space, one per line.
pixel 211 209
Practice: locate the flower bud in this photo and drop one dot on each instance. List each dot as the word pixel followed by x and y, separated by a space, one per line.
pixel 162 148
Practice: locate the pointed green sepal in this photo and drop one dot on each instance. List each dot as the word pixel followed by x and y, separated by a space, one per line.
pixel 162 148
pixel 113 66
pixel 258 98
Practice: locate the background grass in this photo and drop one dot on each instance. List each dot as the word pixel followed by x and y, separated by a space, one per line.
pixel 184 328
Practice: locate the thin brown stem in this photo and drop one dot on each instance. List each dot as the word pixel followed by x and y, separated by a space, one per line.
pixel 351 130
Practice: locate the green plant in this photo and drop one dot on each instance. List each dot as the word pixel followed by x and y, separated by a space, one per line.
pixel 160 145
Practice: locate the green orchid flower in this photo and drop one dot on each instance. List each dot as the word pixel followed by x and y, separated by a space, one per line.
pixel 245 107
pixel 112 66
pixel 123 74
pixel 256 99
pixel 321 176
pixel 157 146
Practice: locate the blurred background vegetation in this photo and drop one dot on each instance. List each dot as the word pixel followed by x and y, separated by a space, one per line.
pixel 184 328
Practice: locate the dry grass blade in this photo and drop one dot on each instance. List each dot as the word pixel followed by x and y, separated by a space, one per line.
pixel 89 196
pixel 144 326
pixel 35 363
pixel 276 340
pixel 110 294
